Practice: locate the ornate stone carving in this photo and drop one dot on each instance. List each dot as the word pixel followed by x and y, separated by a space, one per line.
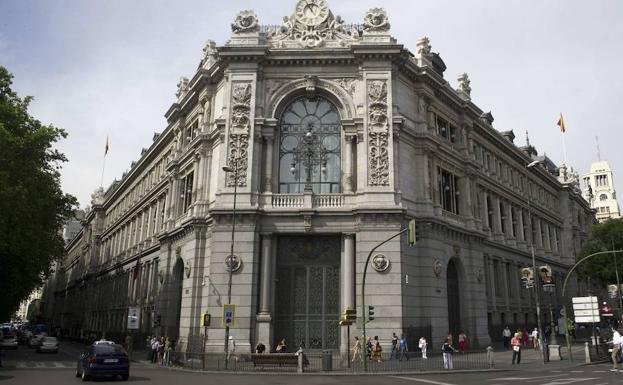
pixel 376 21
pixel 233 263
pixel 380 263
pixel 209 54
pixel 378 134
pixel 97 198
pixel 348 84
pixel 422 46
pixel 239 133
pixel 246 21
pixel 182 88
pixel 312 25
pixel 437 268
pixel 464 89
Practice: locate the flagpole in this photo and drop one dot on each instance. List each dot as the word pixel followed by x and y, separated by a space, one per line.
pixel 104 163
pixel 564 147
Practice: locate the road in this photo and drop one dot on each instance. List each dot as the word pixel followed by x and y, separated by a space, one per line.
pixel 24 366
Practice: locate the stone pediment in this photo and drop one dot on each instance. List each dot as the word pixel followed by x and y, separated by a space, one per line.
pixel 311 25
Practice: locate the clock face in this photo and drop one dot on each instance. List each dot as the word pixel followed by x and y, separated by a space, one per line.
pixel 311 12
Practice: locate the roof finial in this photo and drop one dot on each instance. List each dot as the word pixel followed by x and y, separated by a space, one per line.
pixel 527 139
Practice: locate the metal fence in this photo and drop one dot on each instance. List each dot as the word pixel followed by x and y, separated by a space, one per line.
pixel 326 361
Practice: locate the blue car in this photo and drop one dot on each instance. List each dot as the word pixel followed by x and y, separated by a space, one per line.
pixel 103 359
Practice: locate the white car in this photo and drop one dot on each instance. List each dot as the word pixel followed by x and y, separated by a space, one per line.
pixel 48 344
pixel 35 341
pixel 8 342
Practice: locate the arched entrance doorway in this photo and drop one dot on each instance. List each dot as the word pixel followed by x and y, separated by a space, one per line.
pixel 454 302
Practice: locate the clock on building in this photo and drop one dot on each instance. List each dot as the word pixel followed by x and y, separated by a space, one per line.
pixel 311 12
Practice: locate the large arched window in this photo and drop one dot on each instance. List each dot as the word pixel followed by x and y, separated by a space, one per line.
pixel 310 147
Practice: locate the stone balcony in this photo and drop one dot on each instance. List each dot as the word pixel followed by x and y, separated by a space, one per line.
pixel 308 201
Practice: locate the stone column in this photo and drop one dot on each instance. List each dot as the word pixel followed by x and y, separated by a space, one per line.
pixel 348 164
pixel 539 234
pixel 268 166
pixel 547 243
pixel 348 282
pixel 492 283
pixel 485 210
pixel 264 317
pixel 520 225
pixel 497 216
pixel 509 221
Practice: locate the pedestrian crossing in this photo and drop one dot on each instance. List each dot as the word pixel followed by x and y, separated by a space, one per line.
pixel 39 364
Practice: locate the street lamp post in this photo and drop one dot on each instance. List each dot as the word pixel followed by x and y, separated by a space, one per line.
pixel 536 277
pixel 310 153
pixel 229 260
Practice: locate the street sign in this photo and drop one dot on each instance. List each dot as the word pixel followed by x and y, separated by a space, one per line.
pixel 584 313
pixel 575 300
pixel 584 306
pixel 134 316
pixel 229 315
pixel 587 319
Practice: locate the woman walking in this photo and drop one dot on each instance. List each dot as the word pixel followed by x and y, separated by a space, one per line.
pixel 422 345
pixel 516 344
pixel 357 350
pixel 462 341
pixel 447 350
pixel 376 349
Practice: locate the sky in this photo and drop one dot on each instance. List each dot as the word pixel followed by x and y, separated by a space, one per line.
pixel 109 68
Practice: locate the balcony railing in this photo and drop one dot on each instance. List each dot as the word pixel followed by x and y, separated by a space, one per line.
pixel 287 200
pixel 308 200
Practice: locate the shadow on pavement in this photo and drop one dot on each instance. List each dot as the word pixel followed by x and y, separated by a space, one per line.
pixel 3 378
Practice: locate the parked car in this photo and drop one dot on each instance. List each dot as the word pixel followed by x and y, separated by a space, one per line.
pixel 8 342
pixel 103 359
pixel 48 344
pixel 35 340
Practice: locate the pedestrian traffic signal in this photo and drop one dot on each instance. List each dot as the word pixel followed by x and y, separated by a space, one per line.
pixel 411 233
pixel 370 313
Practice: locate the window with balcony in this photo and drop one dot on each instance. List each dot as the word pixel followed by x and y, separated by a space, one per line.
pixel 446 130
pixel 310 147
pixel 187 191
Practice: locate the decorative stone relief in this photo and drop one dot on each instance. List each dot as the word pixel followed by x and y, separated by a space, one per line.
pixel 378 134
pixel 239 133
pixel 233 263
pixel 246 21
pixel 97 198
pixel 437 268
pixel 376 21
pixel 380 263
pixel 312 25
pixel 348 84
pixel 182 88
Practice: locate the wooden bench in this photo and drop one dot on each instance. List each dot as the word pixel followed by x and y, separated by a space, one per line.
pixel 277 359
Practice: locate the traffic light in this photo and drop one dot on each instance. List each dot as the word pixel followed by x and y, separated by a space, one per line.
pixel 411 233
pixel 370 312
pixel 350 314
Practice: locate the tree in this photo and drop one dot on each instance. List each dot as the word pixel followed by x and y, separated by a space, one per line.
pixel 33 208
pixel 603 237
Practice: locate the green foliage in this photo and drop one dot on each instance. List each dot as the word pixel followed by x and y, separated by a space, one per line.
pixel 33 207
pixel 604 236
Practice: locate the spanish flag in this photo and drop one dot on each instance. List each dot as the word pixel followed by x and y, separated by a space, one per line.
pixel 106 147
pixel 561 124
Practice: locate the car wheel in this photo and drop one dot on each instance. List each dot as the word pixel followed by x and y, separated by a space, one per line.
pixel 78 372
pixel 125 377
pixel 85 377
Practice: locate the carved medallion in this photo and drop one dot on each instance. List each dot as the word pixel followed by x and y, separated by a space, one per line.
pixel 233 263
pixel 437 268
pixel 311 12
pixel 380 263
pixel 376 21
pixel 246 21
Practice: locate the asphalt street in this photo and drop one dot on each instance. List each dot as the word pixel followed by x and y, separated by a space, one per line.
pixel 24 366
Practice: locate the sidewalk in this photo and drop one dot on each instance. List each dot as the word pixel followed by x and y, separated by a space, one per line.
pixel 532 360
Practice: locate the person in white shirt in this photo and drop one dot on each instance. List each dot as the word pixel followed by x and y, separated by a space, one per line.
pixel 616 347
pixel 535 338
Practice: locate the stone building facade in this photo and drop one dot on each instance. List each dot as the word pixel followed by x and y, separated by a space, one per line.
pixel 599 191
pixel 337 135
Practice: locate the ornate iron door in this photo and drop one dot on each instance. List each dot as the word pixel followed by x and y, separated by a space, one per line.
pixel 308 288
pixel 454 305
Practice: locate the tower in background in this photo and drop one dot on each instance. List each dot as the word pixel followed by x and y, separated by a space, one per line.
pixel 599 190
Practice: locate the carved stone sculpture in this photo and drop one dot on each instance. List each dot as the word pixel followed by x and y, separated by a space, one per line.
pixel 376 21
pixel 182 88
pixel 464 89
pixel 423 47
pixel 209 54
pixel 246 21
pixel 378 134
pixel 239 133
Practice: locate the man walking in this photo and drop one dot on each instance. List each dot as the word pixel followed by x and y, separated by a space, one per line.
pixel 402 347
pixel 616 348
pixel 506 334
pixel 394 352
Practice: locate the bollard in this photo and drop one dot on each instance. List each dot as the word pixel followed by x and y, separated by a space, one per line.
pixel 587 353
pixel 490 357
pixel 299 354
